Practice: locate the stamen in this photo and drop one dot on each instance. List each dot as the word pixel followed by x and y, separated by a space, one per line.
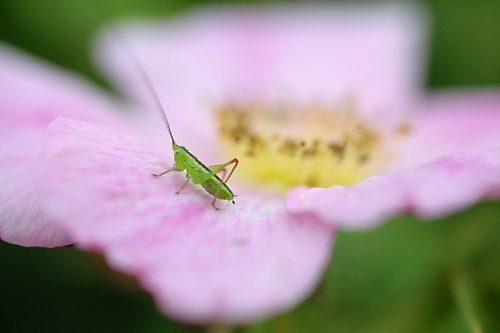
pixel 312 144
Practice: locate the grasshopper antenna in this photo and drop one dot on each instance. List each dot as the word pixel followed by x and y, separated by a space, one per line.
pixel 134 58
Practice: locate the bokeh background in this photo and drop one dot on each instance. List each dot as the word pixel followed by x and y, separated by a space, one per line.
pixel 404 276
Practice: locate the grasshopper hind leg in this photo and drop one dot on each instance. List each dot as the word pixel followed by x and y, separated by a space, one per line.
pixel 222 167
pixel 215 196
pixel 213 203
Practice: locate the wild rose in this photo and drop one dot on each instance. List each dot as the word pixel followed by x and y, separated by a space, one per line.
pixel 351 69
pixel 217 267
pixel 326 97
pixel 204 266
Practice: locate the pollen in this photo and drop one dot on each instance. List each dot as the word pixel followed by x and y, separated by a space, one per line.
pixel 313 144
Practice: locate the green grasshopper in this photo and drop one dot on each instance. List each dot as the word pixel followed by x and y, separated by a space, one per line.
pixel 196 171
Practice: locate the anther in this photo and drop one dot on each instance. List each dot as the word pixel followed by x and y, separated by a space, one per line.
pixel 333 143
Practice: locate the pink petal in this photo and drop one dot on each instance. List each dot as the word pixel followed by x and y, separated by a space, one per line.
pixel 22 221
pixel 372 53
pixel 201 265
pixel 453 121
pixel 33 94
pixel 444 185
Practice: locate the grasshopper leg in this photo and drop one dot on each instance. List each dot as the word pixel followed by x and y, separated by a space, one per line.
pixel 217 192
pixel 213 203
pixel 235 162
pixel 224 178
pixel 183 185
pixel 162 173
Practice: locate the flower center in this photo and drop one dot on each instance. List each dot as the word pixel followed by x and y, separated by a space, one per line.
pixel 318 145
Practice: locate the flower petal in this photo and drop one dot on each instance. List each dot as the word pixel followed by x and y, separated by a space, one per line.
pixel 371 53
pixel 444 185
pixel 453 121
pixel 33 94
pixel 201 265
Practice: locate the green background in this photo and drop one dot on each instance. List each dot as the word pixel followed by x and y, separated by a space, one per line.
pixel 405 276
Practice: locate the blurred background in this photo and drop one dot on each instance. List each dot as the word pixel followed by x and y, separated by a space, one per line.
pixel 405 276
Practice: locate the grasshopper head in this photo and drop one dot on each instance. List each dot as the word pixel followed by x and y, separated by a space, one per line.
pixel 179 154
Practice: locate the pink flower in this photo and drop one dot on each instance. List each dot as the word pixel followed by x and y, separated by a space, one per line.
pixel 90 169
pixel 346 78
pixel 358 131
pixel 201 265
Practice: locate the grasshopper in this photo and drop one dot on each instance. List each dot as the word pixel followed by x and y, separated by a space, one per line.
pixel 196 171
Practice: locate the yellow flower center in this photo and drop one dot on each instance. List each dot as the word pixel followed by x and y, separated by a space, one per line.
pixel 319 145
